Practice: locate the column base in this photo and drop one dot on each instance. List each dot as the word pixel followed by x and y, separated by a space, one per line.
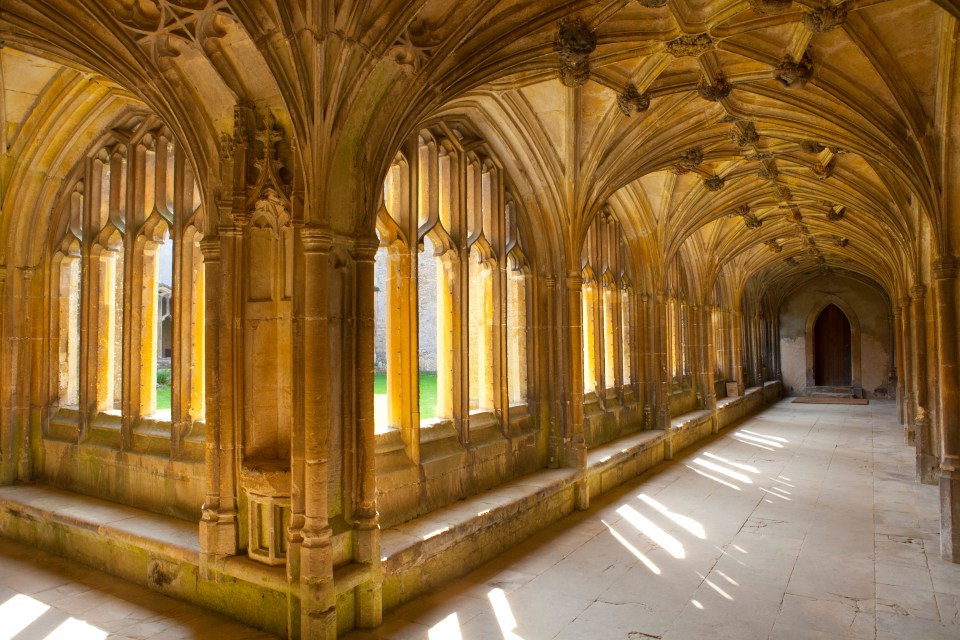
pixel 909 435
pixel 950 515
pixel 928 468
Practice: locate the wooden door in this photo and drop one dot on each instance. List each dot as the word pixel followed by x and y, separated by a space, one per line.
pixel 832 348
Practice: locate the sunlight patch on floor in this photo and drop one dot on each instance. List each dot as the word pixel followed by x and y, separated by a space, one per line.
pixel 446 629
pixel 688 523
pixel 632 549
pixel 642 524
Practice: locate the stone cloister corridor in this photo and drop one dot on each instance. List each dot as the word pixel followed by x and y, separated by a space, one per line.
pixel 310 308
pixel 800 522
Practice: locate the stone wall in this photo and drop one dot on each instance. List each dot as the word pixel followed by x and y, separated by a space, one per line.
pixel 872 313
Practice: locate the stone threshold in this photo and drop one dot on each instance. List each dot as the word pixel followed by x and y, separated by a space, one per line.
pixel 163 553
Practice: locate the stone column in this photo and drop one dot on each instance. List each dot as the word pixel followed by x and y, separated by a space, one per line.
pixel 649 377
pixel 575 440
pixel 928 462
pixel 218 522
pixel 709 358
pixel 909 396
pixel 896 332
pixel 736 335
pixel 24 398
pixel 550 370
pixel 661 361
pixel 318 617
pixel 945 271
pixel 366 522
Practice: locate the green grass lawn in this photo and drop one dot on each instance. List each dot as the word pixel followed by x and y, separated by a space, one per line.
pixel 163 397
pixel 428 392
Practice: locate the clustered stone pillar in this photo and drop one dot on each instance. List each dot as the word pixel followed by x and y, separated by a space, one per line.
pixel 318 600
pixel 909 413
pixel 218 523
pixel 576 442
pixel 945 271
pixel 737 335
pixel 661 360
pixel 927 460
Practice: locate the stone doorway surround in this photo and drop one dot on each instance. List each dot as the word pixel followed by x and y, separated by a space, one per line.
pixel 856 378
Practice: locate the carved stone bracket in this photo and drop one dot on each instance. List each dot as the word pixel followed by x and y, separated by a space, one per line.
pixel 716 90
pixel 575 42
pixel 774 246
pixel 840 241
pixel 811 146
pixel 794 74
pixel 632 100
pixel 691 45
pixel 826 18
pixel 750 220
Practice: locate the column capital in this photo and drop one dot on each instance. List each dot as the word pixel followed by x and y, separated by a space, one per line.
pixel 210 248
pixel 917 291
pixel 573 281
pixel 316 239
pixel 945 268
pixel 365 249
pixel 905 302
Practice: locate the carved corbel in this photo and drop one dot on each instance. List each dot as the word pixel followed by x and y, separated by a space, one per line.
pixel 826 18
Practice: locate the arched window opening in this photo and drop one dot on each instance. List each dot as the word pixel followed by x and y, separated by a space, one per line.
pixel 626 339
pixel 517 328
pixel 428 325
pixel 609 333
pixel 481 318
pixel 67 318
pixel 588 303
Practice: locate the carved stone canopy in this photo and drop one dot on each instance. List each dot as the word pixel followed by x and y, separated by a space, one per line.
pixel 632 100
pixel 575 42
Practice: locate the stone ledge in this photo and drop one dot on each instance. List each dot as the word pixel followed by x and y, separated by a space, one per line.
pixel 159 552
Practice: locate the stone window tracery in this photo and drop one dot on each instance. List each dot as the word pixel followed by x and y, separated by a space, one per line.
pixel 126 320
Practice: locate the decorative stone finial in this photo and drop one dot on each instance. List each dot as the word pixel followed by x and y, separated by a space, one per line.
pixel 631 100
pixel 575 42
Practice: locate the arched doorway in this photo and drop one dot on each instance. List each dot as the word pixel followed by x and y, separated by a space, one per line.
pixel 832 348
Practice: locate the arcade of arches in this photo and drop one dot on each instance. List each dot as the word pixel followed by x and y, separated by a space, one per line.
pixel 293 274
